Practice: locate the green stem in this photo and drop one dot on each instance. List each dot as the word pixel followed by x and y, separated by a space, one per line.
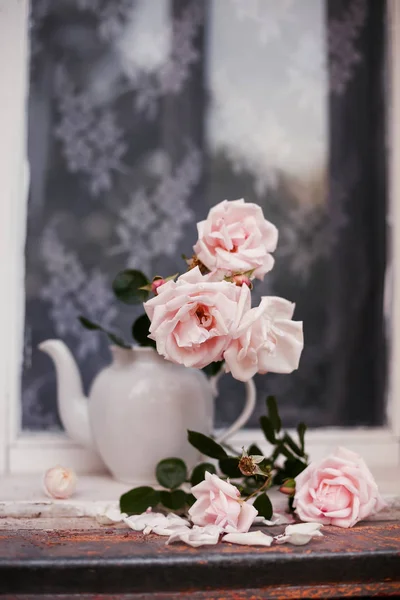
pixel 260 489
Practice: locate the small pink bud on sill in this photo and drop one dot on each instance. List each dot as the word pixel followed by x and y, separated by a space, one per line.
pixel 242 280
pixel 59 482
pixel 156 284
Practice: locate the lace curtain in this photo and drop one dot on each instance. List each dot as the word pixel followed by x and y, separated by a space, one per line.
pixel 143 114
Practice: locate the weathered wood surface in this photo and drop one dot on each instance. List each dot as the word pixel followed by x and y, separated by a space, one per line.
pixel 115 562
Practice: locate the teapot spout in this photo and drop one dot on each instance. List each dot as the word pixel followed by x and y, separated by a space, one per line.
pixel 72 403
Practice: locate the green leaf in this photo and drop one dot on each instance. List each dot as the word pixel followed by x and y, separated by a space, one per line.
pixel 263 504
pixel 115 339
pixel 279 477
pixel 190 499
pixel 301 430
pixel 293 467
pixel 254 450
pixel 288 440
pixel 138 500
pixel 127 284
pixel 173 500
pixel 275 454
pixel 171 472
pixel 268 429
pixel 87 324
pixel 140 331
pixel 198 473
pixel 273 413
pixel 285 451
pixel 229 467
pixel 206 445
pixel 213 368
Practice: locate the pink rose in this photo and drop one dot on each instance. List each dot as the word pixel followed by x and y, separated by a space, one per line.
pixel 266 339
pixel 192 318
pixel 219 503
pixel 236 238
pixel 339 491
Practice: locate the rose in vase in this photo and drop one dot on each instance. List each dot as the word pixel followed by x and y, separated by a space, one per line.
pixel 236 238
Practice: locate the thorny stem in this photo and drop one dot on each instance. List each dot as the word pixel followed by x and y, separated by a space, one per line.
pixel 260 489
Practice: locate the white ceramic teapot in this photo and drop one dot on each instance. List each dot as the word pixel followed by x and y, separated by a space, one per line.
pixel 139 410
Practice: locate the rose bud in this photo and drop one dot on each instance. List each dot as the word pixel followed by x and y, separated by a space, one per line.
pixel 156 284
pixel 59 482
pixel 242 280
pixel 288 487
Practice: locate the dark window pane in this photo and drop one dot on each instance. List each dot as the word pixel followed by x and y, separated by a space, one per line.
pixel 144 114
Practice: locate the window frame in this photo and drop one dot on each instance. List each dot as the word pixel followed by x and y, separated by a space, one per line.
pixel 22 452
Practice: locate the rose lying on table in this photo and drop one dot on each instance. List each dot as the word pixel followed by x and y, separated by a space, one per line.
pixel 340 490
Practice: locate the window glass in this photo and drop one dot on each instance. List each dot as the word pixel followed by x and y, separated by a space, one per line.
pixel 143 114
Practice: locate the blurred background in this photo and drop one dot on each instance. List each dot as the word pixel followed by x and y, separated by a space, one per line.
pixel 145 113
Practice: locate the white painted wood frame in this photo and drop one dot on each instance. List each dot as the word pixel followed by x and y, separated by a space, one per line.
pixel 29 452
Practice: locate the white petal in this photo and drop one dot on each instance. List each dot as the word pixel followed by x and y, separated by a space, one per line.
pixel 110 515
pixel 197 536
pixel 276 519
pixel 297 539
pixel 171 530
pixel 169 526
pixel 299 534
pixel 146 521
pixel 257 459
pixel 281 539
pixel 251 538
pixel 174 520
pixel 307 528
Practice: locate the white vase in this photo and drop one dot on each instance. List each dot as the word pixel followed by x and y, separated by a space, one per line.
pixel 139 409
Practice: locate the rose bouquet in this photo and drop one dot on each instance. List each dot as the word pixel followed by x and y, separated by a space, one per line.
pixel 203 318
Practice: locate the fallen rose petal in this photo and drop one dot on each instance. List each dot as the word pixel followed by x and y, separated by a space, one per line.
pixel 251 538
pixel 144 520
pixel 110 515
pixel 170 530
pixel 197 536
pixel 276 519
pixel 307 528
pixel 296 539
pixel 299 534
pixel 169 526
pixel 176 520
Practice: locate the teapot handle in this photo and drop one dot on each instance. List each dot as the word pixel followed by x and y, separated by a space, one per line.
pixel 249 405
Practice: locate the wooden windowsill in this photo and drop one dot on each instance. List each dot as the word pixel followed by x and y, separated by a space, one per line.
pixel 70 556
pixel 22 496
